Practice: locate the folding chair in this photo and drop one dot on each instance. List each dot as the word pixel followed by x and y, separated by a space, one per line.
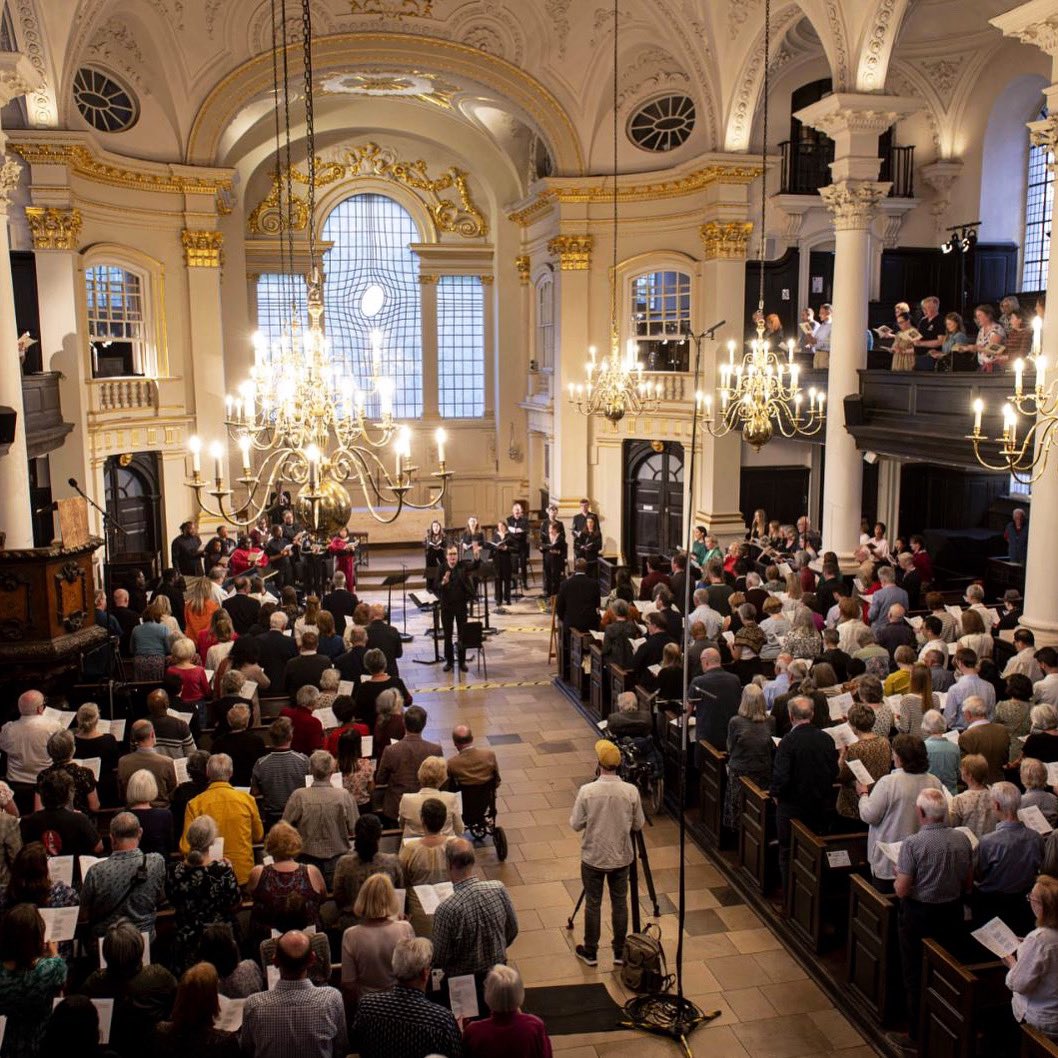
pixel 474 639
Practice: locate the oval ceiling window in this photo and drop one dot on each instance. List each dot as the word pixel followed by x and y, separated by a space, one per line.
pixel 372 300
pixel 103 102
pixel 662 124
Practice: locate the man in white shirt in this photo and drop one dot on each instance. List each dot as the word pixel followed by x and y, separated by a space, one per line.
pixel 216 579
pixel 819 342
pixel 1047 688
pixel 25 740
pixel 1024 661
pixel 931 631
pixel 967 685
pixel 783 677
pixel 608 810
pixel 703 612
pixel 975 596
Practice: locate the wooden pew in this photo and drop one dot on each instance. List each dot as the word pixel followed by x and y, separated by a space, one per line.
pixel 579 680
pixel 622 680
pixel 600 695
pixel 712 788
pixel 758 852
pixel 562 650
pixel 959 1001
pixel 1035 1045
pixel 818 883
pixel 873 952
pixel 670 737
pixel 609 565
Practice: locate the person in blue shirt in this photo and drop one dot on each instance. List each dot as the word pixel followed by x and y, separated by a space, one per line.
pixel 1016 535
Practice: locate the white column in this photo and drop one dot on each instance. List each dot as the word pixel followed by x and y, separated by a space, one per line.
pixel 854 122
pixel 202 256
pixel 853 209
pixel 428 309
pixel 17 77
pixel 1037 23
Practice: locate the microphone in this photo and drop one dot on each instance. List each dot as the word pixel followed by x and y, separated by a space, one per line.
pixel 72 482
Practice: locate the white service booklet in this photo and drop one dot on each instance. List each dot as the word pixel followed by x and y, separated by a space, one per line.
pixel 60 923
pixel 1034 819
pixel 431 896
pixel 997 937
pixel 859 769
pixel 463 997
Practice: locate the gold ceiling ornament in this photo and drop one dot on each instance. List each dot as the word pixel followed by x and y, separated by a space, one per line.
pixel 202 249
pixel 726 240
pixel 53 228
pixel 428 279
pixel 403 8
pixel 573 252
pixel 521 263
pixel 462 218
pixel 82 162
pixel 393 84
pixel 487 280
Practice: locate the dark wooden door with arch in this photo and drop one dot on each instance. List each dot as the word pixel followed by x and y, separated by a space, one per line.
pixel 133 501
pixel 653 498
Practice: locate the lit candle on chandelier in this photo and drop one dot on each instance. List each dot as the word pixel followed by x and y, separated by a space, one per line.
pixel 1037 327
pixel 244 447
pixel 217 453
pixel 312 454
pixel 1019 371
pixel 440 437
pixel 1041 373
pixel 195 445
pixel 731 351
pixel 790 345
pixel 979 407
pixel 228 401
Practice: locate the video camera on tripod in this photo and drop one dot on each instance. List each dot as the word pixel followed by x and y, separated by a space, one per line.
pixel 643 767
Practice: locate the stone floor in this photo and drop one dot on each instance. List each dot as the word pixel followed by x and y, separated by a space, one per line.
pixel 732 962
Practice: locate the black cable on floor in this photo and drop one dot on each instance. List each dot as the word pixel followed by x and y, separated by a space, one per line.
pixel 664 1014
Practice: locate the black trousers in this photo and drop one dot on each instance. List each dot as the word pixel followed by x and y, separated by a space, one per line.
pixel 459 618
pixel 504 572
pixel 918 922
pixel 554 567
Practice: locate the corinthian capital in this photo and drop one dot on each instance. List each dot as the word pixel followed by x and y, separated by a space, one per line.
pixel 1032 24
pixel 17 76
pixel 1044 133
pixel 854 203
pixel 10 172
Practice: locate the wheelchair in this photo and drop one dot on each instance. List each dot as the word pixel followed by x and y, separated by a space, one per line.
pixel 479 815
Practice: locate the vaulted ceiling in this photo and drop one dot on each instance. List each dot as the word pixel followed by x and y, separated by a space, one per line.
pixel 530 78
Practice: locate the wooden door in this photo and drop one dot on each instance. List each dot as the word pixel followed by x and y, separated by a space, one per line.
pixel 653 495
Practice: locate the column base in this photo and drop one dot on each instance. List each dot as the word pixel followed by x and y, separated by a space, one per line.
pixel 1045 630
pixel 727 527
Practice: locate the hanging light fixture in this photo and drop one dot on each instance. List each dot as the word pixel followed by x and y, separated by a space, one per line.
pixel 760 394
pixel 300 419
pixel 1023 448
pixel 615 386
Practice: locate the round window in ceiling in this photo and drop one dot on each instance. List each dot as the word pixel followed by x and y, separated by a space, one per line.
pixel 104 103
pixel 663 124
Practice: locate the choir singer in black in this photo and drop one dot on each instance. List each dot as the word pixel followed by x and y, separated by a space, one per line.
pixel 454 590
pixel 503 559
pixel 555 551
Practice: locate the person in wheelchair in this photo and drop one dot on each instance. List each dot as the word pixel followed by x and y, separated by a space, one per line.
pixel 629 721
pixel 476 775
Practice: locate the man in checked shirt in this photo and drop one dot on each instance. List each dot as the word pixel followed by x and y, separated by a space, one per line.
pixel 474 926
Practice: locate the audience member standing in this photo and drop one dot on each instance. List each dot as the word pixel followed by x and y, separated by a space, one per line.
pixel 608 811
pixel 398 768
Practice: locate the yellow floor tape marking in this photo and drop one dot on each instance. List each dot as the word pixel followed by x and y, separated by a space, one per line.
pixel 491 685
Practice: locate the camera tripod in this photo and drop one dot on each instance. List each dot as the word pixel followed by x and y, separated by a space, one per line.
pixel 640 849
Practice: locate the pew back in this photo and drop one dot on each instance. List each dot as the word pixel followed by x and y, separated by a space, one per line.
pixel 757 848
pixel 873 952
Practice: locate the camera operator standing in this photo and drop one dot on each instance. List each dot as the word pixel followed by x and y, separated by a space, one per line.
pixel 608 810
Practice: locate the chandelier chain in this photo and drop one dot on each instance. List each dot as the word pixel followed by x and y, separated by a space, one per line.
pixel 288 226
pixel 284 213
pixel 310 129
pixel 613 277
pixel 764 155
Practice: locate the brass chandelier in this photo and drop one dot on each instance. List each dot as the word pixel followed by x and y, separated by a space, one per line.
pixel 1023 453
pixel 615 387
pixel 299 420
pixel 761 395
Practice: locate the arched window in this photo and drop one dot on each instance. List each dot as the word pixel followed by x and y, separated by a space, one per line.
pixel 661 311
pixel 372 284
pixel 460 347
pixel 1039 201
pixel 279 297
pixel 116 322
pixel 545 322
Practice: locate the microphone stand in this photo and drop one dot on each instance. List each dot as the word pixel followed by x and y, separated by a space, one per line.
pixel 404 637
pixel 108 524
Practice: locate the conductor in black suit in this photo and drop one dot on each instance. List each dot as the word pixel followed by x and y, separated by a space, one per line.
pixel 554 550
pixel 578 600
pixel 454 589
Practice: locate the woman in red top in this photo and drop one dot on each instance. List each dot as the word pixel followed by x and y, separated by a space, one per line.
pixel 195 685
pixel 343 547
pixel 506 1030
pixel 343 711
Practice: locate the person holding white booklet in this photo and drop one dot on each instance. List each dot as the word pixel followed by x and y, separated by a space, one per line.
pixel 367 948
pixel 933 873
pixel 1033 975
pixel 190 1029
pixel 32 975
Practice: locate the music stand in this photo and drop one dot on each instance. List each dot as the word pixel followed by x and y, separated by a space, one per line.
pixel 435 636
pixel 485 572
pixel 390 583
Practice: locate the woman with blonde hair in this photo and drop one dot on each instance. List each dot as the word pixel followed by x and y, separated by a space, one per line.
pixel 917 700
pixel 149 643
pixel 367 948
pixel 749 750
pixel 974 636
pixel 270 883
pixel 225 633
pixel 433 774
pixel 157 823
pixel 199 607
pixel 1033 975
pixel 165 607
pixel 307 621
pixel 758 528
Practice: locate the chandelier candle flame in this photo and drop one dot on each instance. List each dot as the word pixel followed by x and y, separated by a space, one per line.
pixel 1024 457
pixel 307 426
pixel 761 394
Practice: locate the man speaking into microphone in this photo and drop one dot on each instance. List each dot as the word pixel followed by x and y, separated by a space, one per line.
pixel 454 590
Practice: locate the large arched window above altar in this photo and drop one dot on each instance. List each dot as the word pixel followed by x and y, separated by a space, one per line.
pixel 371 285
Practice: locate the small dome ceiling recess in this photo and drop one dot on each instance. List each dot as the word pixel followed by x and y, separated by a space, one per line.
pixel 105 103
pixel 662 124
